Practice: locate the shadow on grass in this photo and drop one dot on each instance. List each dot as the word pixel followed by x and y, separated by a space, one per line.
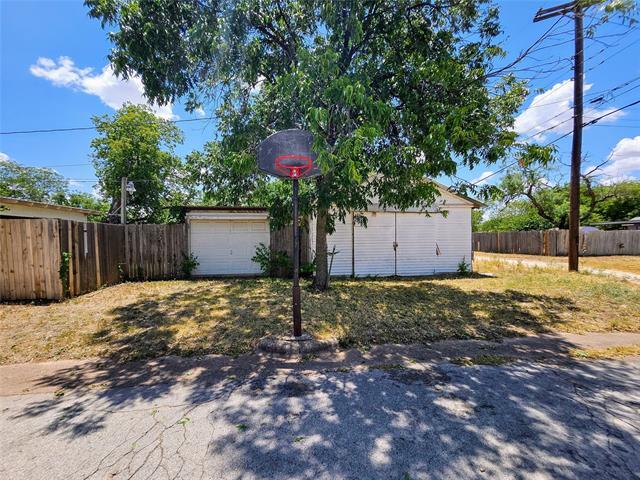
pixel 230 316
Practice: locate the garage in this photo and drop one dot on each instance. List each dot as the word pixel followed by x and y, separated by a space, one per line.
pixel 225 239
pixel 404 243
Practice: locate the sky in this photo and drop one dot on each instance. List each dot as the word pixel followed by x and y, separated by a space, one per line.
pixel 54 73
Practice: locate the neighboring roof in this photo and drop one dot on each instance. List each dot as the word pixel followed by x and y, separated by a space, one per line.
pixel 632 221
pixel 226 209
pixel 53 206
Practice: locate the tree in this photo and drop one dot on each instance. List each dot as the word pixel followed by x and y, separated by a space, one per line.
pixel 623 205
pixel 45 185
pixel 394 91
pixel 136 144
pixel 515 216
pixel 550 200
pixel 31 183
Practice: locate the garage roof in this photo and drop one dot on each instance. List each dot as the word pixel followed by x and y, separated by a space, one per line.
pixel 219 208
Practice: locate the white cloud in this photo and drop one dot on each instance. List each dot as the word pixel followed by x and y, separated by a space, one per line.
pixel 113 91
pixel 551 112
pixel 4 157
pixel 200 112
pixel 624 162
pixel 482 179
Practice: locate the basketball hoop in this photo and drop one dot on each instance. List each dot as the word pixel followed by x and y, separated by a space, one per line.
pixel 294 166
pixel 288 154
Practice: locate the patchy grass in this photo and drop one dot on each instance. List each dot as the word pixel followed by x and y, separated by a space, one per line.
pixel 150 319
pixel 482 360
pixel 621 263
pixel 605 353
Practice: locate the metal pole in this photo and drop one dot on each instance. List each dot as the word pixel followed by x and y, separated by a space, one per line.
pixel 297 317
pixel 576 147
pixel 123 200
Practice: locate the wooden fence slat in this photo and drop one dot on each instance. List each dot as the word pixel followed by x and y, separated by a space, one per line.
pixel 550 242
pixel 31 252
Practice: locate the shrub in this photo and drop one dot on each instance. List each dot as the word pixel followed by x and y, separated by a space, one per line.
pixel 189 264
pixel 307 269
pixel 272 263
pixel 463 266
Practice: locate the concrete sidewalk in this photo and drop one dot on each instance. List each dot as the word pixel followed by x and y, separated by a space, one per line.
pixel 90 374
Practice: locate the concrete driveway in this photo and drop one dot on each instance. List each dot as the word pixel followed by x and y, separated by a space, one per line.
pixel 432 421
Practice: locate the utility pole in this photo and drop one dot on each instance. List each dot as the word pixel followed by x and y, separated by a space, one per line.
pixel 576 146
pixel 123 200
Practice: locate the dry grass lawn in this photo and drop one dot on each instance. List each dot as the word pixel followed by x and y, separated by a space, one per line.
pixel 606 353
pixel 145 320
pixel 622 263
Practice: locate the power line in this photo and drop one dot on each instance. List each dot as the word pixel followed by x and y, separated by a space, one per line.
pixel 77 129
pixel 591 122
pixel 58 166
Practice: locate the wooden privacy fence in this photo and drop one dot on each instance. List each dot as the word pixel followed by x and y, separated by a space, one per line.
pixel 282 241
pixel 29 259
pixel 555 242
pixel 48 259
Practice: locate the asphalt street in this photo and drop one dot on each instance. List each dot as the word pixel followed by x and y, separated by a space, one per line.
pixel 524 420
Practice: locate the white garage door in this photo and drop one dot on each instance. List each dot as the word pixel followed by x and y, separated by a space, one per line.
pixel 416 253
pixel 225 247
pixel 374 254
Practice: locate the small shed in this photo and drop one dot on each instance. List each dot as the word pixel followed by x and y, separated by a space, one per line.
pixel 18 208
pixel 225 238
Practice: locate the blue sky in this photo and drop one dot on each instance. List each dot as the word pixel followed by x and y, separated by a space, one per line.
pixel 52 75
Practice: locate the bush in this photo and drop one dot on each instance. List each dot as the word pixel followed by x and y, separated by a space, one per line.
pixel 189 264
pixel 272 263
pixel 463 266
pixel 307 269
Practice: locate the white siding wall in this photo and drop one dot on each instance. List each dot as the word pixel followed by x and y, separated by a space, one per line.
pixel 426 245
pixel 341 240
pixel 13 210
pixel 416 237
pixel 454 239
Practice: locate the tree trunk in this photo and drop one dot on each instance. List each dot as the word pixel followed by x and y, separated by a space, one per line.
pixel 321 280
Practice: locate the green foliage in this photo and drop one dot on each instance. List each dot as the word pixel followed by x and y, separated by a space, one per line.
pixel 463 267
pixel 134 143
pixel 476 219
pixel 599 203
pixel 31 183
pixel 517 215
pixel 272 263
pixel 63 272
pixel 189 264
pixel 307 269
pixel 45 185
pixel 394 91
pixel 622 204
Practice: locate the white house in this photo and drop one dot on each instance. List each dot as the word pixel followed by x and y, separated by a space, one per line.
pixel 406 243
pixel 18 208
